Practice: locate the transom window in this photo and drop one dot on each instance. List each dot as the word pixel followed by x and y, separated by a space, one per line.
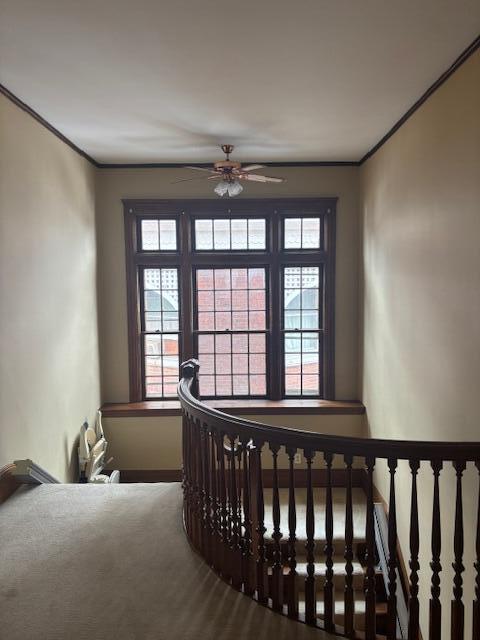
pixel 245 288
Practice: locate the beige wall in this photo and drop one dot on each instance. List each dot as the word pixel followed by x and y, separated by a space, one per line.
pixel 156 443
pixel 49 371
pixel 420 333
pixel 115 184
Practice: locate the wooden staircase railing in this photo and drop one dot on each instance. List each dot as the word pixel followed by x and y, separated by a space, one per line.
pixel 224 513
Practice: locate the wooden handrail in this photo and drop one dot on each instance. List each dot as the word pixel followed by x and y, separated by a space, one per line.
pixel 344 445
pixel 227 521
pixel 13 475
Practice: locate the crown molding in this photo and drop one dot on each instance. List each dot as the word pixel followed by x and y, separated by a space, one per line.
pixel 463 57
pixel 208 165
pixel 31 112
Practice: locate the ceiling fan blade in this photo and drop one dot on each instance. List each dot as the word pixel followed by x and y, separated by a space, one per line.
pixel 190 179
pixel 201 169
pixel 253 177
pixel 253 167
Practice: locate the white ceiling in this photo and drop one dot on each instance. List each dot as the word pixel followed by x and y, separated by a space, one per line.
pixel 136 81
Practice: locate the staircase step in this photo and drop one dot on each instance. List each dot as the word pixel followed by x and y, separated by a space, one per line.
pixel 339 615
pixel 338 574
pixel 359 511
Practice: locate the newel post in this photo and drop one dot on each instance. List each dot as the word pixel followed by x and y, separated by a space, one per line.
pixel 189 370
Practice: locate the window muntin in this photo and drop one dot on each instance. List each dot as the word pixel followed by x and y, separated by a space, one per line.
pixel 292 362
pixel 230 234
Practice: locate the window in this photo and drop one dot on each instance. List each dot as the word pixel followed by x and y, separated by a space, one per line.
pixel 247 288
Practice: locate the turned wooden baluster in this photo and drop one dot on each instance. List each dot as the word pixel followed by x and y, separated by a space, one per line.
pixel 458 609
pixel 192 499
pixel 476 602
pixel 292 589
pixel 310 591
pixel 435 623
pixel 241 538
pixel 205 492
pixel 349 595
pixel 392 555
pixel 200 489
pixel 277 570
pixel 222 493
pixel 329 549
pixel 370 581
pixel 262 569
pixel 209 504
pixel 413 605
pixel 235 536
pixel 247 524
pixel 215 519
pixel 228 487
pixel 194 487
pixel 186 470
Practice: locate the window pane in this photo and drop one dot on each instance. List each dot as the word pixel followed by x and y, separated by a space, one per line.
pixel 205 279
pixel 153 301
pixel 221 234
pixel 207 385
pixel 204 234
pixel 230 234
pixel 239 278
pixel 168 235
pixel 239 320
pixel 302 233
pixel 310 233
pixel 256 278
pixel 205 300
pixel 161 315
pixel 205 344
pixel 256 234
pixel 153 322
pixel 159 235
pixel 292 233
pixel 150 239
pixel 239 234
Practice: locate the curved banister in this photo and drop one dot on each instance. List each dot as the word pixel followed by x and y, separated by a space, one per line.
pixel 239 527
pixel 345 445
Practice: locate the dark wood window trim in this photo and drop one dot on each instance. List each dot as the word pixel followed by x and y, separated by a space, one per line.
pixel 273 210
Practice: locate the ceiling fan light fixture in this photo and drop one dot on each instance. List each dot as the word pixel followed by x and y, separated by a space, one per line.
pixel 234 188
pixel 221 188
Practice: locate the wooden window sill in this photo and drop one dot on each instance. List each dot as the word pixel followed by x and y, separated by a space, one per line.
pixel 150 408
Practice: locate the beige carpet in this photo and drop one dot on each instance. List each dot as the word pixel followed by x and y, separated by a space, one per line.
pixel 112 562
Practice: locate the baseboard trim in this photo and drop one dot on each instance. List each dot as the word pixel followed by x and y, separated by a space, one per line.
pixel 319 477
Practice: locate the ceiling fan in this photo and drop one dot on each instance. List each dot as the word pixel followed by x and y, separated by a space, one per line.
pixel 230 174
